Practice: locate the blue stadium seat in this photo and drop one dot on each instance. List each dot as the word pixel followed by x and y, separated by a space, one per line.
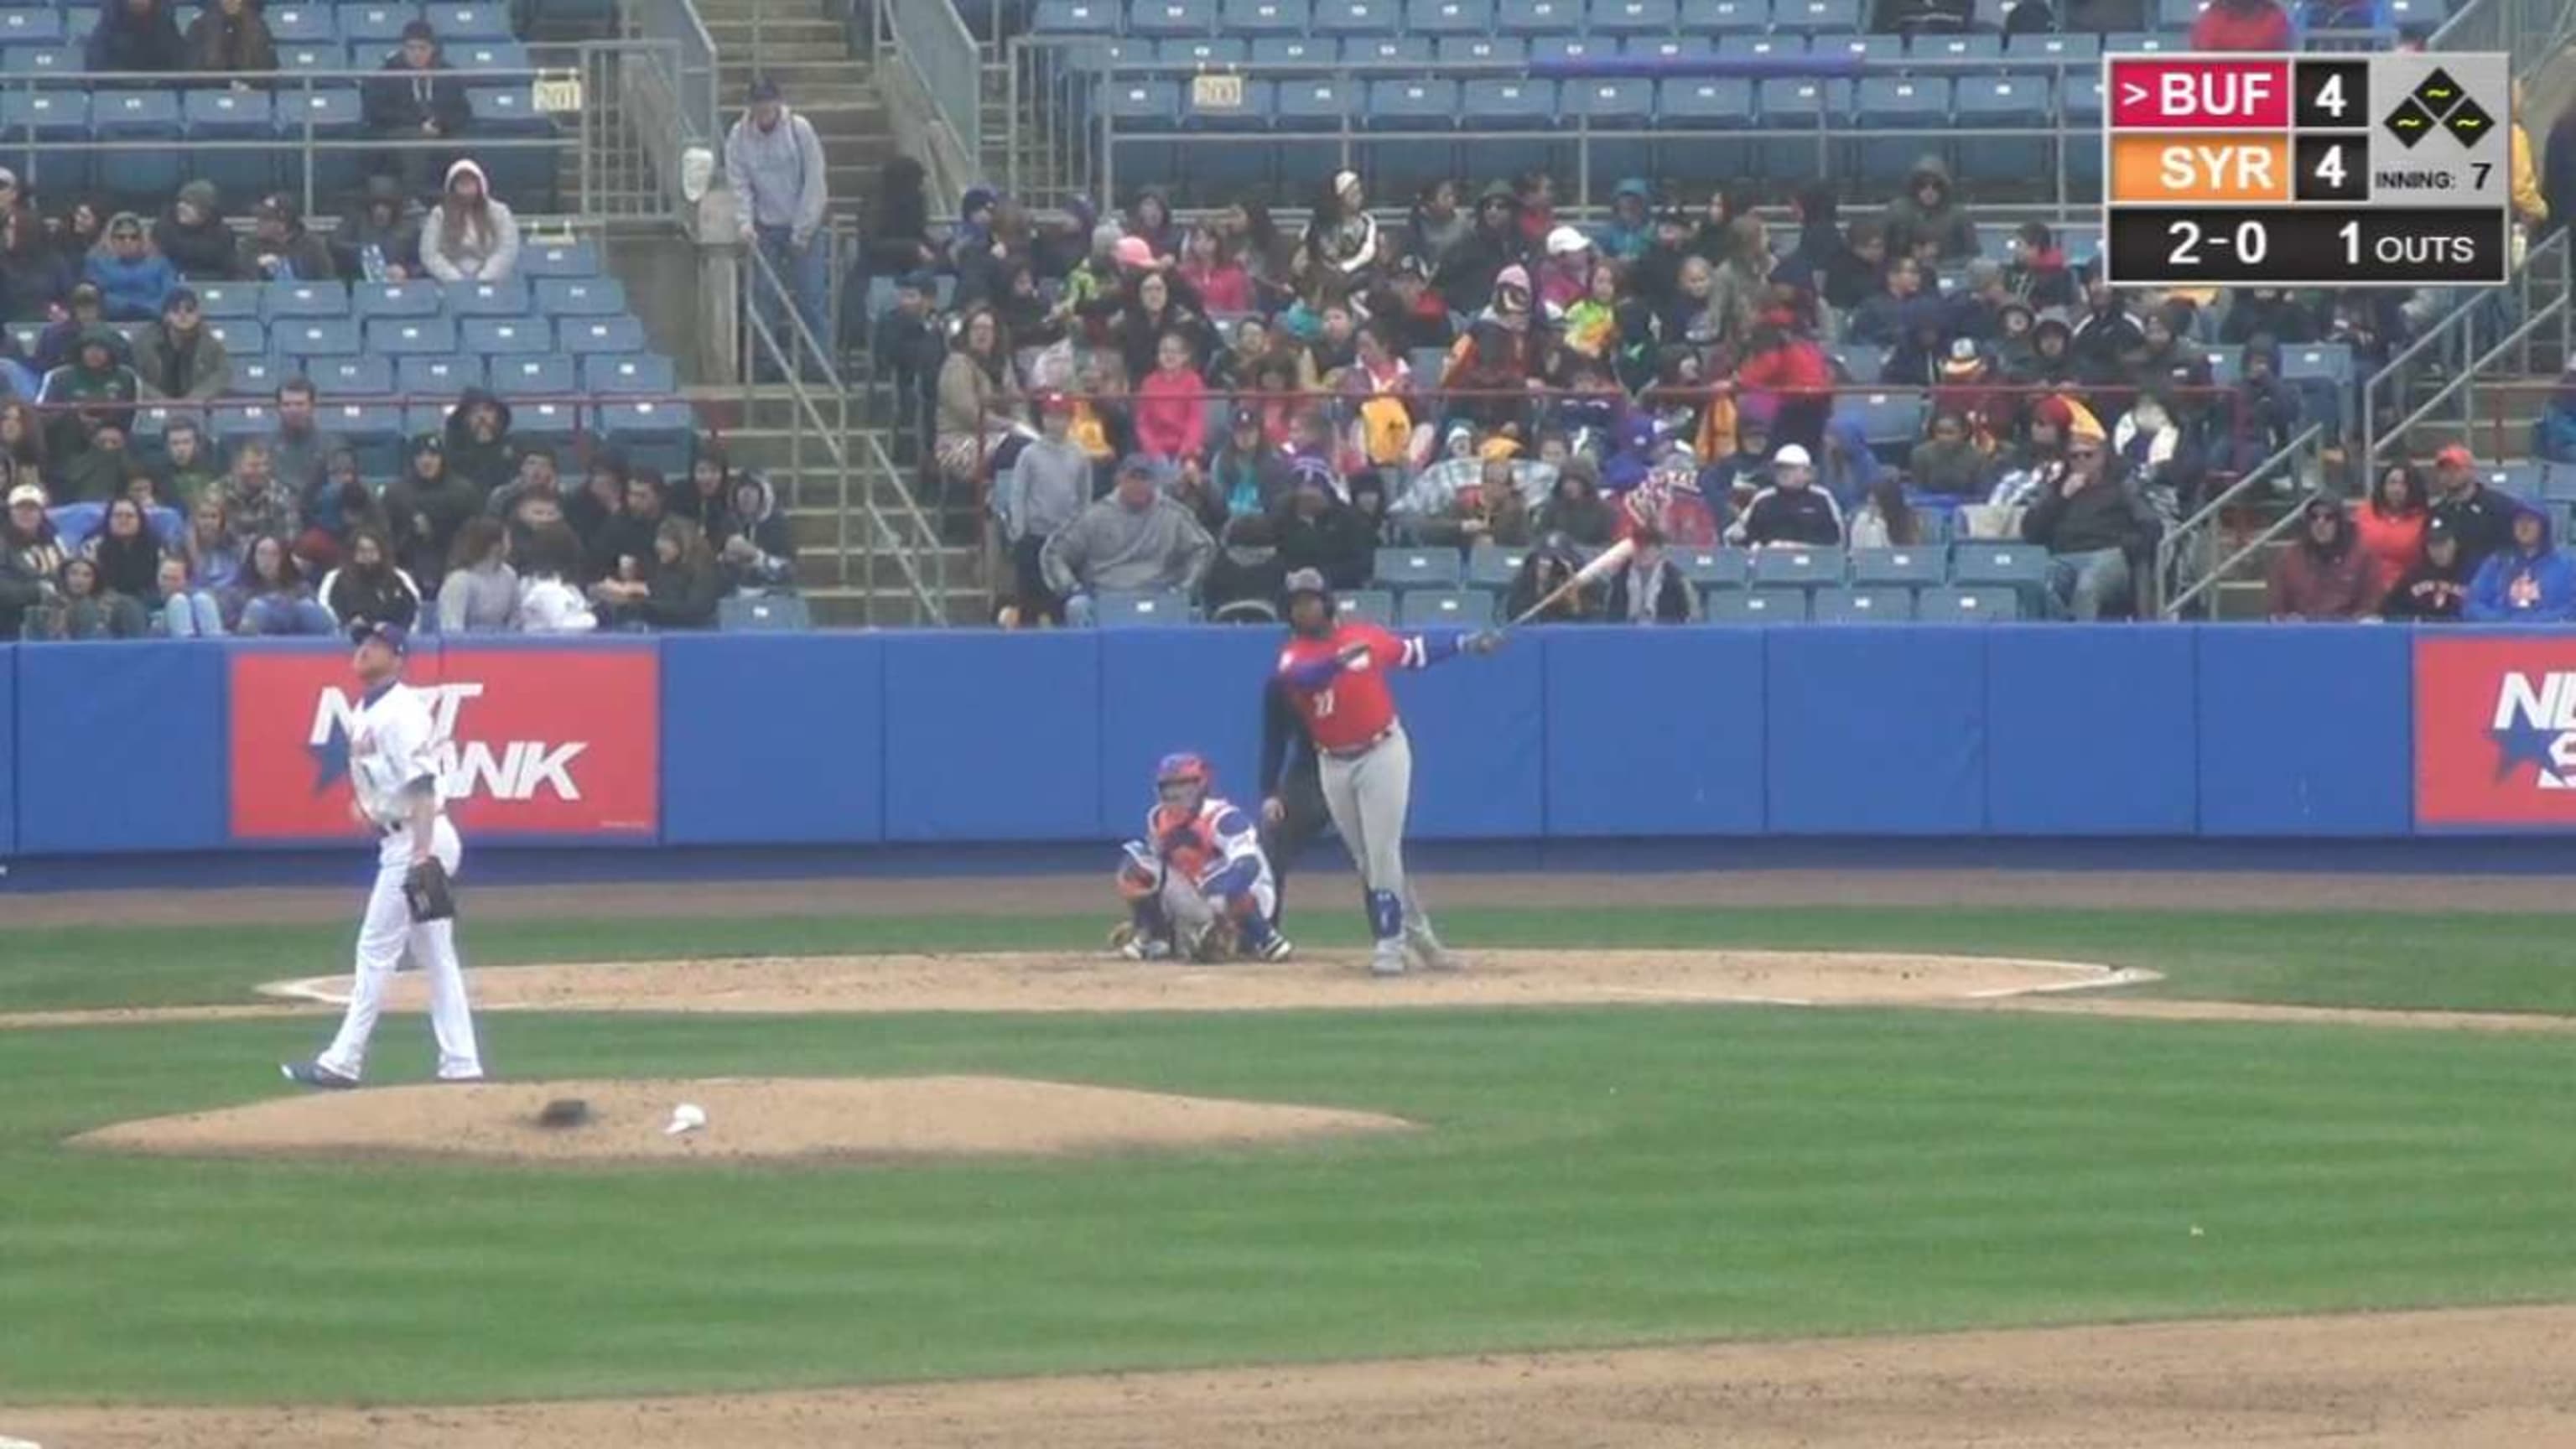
pixel 1816 17
pixel 241 336
pixel 1766 47
pixel 1205 50
pixel 2006 565
pixel 2328 361
pixel 2226 365
pixel 359 376
pixel 1256 18
pixel 581 297
pixel 1709 568
pixel 1789 567
pixel 1570 49
pixel 1372 606
pixel 2178 14
pixel 555 424
pixel 439 374
pixel 1412 105
pixel 1754 606
pixel 2081 102
pixel 538 374
pixel 1538 17
pixel 1445 608
pixel 600 334
pixel 1481 50
pixel 40 60
pixel 1909 567
pixel 1492 566
pixel 29 26
pixel 1295 50
pixel 373 431
pixel 628 374
pixel 31 122
pixel 521 173
pixel 301 24
pixel 255 376
pixel 1702 105
pixel 309 57
pixel 1796 110
pixel 1860 362
pixel 2558 482
pixel 488 299
pixel 229 299
pixel 137 116
pixel 1448 17
pixel 1968 606
pixel 1358 17
pixel 1912 106
pixel 1076 17
pixel 1634 17
pixel 1144 106
pixel 559 259
pixel 1890 420
pixel 2132 43
pixel 1868 49
pixel 458 25
pixel 2074 52
pixel 763 613
pixel 411 336
pixel 317 337
pixel 2525 480
pixel 506 336
pixel 379 26
pixel 647 423
pixel 278 301
pixel 231 425
pixel 2001 103
pixel 1621 103
pixel 333 116
pixel 1417 568
pixel 1668 47
pixel 395 299
pixel 1881 604
pixel 1505 104
pixel 1159 18
pixel 431 417
pixel 1725 17
pixel 1957 47
pixel 1388 50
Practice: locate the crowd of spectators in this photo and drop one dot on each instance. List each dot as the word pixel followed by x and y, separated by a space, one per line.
pixel 1485 371
pixel 2427 546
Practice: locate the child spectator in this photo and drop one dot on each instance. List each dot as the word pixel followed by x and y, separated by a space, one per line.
pixel 1591 321
pixel 135 37
pixel 2526 582
pixel 469 236
pixel 131 277
pixel 1947 464
pixel 229 37
pixel 1650 590
pixel 480 453
pixel 177 357
pixel 550 599
pixel 368 586
pixel 480 594
pixel 755 544
pixel 2325 574
pixel 184 611
pixel 2389 525
pixel 1043 489
pixel 2436 589
pixel 192 234
pixel 1171 405
pixel 1624 237
pixel 1792 511
pixel 1211 271
pixel 269 596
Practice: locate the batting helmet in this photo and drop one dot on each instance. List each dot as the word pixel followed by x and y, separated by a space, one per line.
pixel 1310 581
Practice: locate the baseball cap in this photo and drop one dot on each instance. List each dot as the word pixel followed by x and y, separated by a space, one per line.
pixel 1246 418
pixel 1305 581
pixel 1565 241
pixel 27 493
pixel 1133 251
pixel 1793 456
pixel 2455 456
pixel 392 636
pixel 1137 465
pixel 763 89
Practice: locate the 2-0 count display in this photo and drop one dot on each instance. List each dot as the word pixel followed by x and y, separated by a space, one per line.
pixel 2205 246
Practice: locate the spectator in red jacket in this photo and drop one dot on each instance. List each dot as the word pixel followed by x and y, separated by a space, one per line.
pixel 1171 404
pixel 2325 574
pixel 1795 371
pixel 2390 526
pixel 2243 25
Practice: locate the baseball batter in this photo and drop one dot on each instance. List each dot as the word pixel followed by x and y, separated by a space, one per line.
pixel 1336 678
pixel 1198 881
pixel 397 797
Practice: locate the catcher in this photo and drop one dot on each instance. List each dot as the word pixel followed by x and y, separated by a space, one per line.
pixel 1197 885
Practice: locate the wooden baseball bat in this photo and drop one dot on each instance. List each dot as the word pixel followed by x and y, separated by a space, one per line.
pixel 1609 561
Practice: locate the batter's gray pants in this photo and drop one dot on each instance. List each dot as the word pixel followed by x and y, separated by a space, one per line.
pixel 1367 795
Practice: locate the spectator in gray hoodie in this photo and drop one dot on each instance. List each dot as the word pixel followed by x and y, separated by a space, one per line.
pixel 1044 489
pixel 775 168
pixel 1136 539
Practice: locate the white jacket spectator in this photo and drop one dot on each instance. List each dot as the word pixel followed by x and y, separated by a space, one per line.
pixel 469 236
pixel 549 602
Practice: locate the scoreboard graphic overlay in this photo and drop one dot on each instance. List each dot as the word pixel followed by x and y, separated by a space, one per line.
pixel 2307 170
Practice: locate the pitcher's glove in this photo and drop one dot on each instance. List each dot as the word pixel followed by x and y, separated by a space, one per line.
pixel 429 893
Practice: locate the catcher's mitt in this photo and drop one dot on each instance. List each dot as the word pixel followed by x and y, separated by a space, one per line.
pixel 1218 942
pixel 429 893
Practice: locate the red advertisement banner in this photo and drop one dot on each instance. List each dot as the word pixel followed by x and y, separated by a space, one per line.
pixel 2495 730
pixel 531 742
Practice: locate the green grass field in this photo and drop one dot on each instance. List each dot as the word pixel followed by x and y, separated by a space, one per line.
pixel 1593 1176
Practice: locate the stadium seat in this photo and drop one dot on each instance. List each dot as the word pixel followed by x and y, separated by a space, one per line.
pixel 559 259
pixel 1452 608
pixel 1708 568
pixel 647 421
pixel 1505 104
pixel 2558 482
pixel 2009 565
pixel 1633 17
pixel 1668 47
pixel 1160 18
pixel 2055 55
pixel 581 297
pixel 1995 103
pixel 1911 567
pixel 336 121
pixel 255 376
pixel 2330 361
pixel 1481 50
pixel 506 336
pixel 600 334
pixel 1415 568
pixel 1570 50
pixel 1122 608
pixel 368 300
pixel 1797 111
pixel 1205 51
pixel 1373 606
pixel 534 374
pixel 302 24
pixel 240 336
pixel 137 171
pixel 33 121
pixel 487 299
pixel 1538 17
pixel 441 374
pixel 1709 103
pixel 308 57
pixel 410 336
pixel 1388 50
pixel 1076 17
pixel 280 301
pixel 1968 606
pixel 2178 14
pixel 79 23
pixel 1909 107
pixel 1816 17
pixel 231 424
pixel 1358 17
pixel 1882 604
pixel 1253 19
pixel 1295 50
pixel 1725 17
pixel 2132 43
pixel 1448 17
pixel 1795 567
pixel 227 116
pixel 1411 105
pixel 1860 362
pixel 1955 47
pixel 634 373
pixel 375 28
pixel 40 60
pixel 2518 480
pixel 555 424
pixel 1754 606
pixel 317 337
pixel 1146 106
pixel 1494 567
pixel 373 431
pixel 359 376
pixel 744 612
pixel 2226 364
pixel 459 25
pixel 26 25
pixel 1879 50
pixel 232 299
pixel 1892 421
pixel 1614 104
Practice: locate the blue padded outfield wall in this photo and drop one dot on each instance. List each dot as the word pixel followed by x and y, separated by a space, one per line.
pixel 837 739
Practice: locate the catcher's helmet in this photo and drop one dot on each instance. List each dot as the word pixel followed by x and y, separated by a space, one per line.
pixel 1183 769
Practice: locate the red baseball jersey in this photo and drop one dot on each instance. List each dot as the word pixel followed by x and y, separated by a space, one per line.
pixel 1353 705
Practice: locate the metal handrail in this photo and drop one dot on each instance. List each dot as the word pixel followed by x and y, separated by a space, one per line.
pixel 2201 528
pixel 792 359
pixel 2547 261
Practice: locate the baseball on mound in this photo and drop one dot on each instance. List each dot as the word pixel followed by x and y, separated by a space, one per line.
pixel 686 1117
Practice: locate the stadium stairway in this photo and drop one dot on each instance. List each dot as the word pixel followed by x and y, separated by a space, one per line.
pixel 803 46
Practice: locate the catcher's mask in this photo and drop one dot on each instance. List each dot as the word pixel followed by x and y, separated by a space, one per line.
pixel 1181 780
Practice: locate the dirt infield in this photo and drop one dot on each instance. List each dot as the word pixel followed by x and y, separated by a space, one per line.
pixel 2484 1379
pixel 744 1119
pixel 1320 980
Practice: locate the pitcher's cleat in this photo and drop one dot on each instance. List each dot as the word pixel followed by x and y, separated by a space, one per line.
pixel 316 1076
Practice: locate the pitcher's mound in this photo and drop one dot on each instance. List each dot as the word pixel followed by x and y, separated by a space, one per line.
pixel 757 1118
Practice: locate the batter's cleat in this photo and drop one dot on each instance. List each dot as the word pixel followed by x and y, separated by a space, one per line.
pixel 1277 948
pixel 1427 953
pixel 1388 959
pixel 315 1075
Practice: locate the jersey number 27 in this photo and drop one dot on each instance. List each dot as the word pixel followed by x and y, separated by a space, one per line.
pixel 1323 703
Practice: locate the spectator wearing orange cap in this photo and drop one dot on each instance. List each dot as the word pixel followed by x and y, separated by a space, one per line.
pixel 2479 516
pixel 2087 517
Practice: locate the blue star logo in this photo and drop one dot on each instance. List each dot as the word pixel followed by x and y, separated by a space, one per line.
pixel 330 758
pixel 2523 743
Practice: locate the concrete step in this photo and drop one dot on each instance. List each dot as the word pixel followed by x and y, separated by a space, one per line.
pixel 823 68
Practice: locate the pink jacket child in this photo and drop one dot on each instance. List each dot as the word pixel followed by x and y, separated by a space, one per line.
pixel 1171 405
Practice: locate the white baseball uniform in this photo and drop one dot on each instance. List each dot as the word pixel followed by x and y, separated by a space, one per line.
pixel 390 760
